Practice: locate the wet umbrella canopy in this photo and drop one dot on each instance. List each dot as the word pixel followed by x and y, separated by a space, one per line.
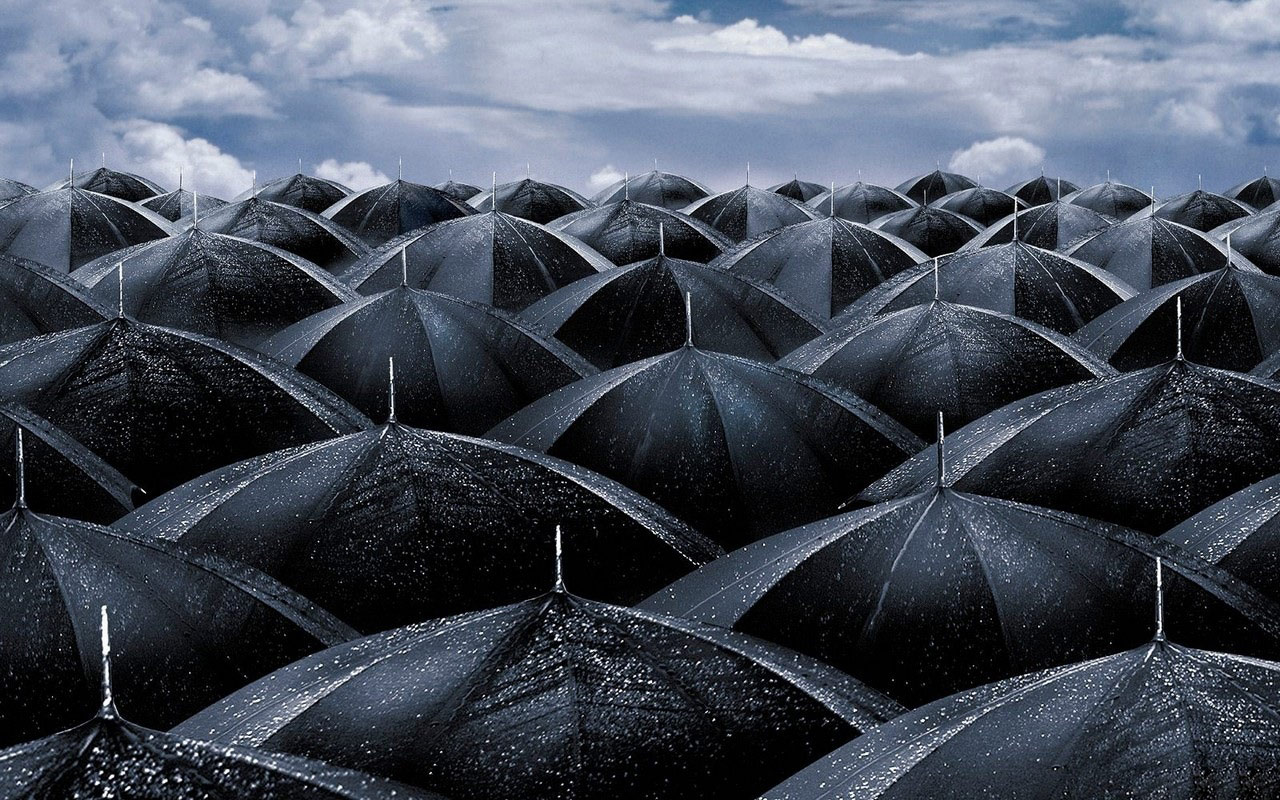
pixel 1258 193
pixel 1111 199
pixel 66 228
pixel 932 186
pixel 634 312
pixel 747 212
pixel 11 189
pixel 36 299
pixel 691 429
pixel 1256 237
pixel 163 405
pixel 981 204
pixel 860 202
pixel 824 264
pixel 532 200
pixel 935 231
pixel 939 356
pixel 180 203
pixel 236 289
pixel 122 185
pixel 398 524
pixel 628 231
pixel 1038 285
pixel 1041 190
pixel 300 191
pixel 797 189
pixel 664 189
pixel 1230 319
pixel 458 190
pixel 459 366
pixel 1147 251
pixel 384 212
pixel 556 698
pixel 294 229
pixel 1053 226
pixel 1201 210
pixel 492 258
pixel 1146 449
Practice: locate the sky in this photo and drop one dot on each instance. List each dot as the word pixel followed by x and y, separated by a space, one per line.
pixel 1156 92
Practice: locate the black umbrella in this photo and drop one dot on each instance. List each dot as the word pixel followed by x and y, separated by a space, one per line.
pixel 236 289
pixel 12 190
pixel 796 189
pixel 397 524
pixel 747 212
pixel 298 190
pixel 556 698
pixel 1117 200
pixel 36 299
pixel 691 429
pixel 121 185
pixel 940 356
pixel 1041 190
pixel 934 230
pixel 297 230
pixel 532 200
pixel 1255 237
pixel 163 405
pixel 824 264
pixel 384 212
pixel 66 228
pixel 492 258
pixel 926 188
pixel 458 190
pixel 1146 251
pixel 1038 285
pixel 460 366
pixel 1201 210
pixel 1230 318
pixel 860 202
pixel 1258 193
pixel 981 204
pixel 1053 226
pixel 656 188
pixel 628 231
pixel 1146 449
pixel 180 203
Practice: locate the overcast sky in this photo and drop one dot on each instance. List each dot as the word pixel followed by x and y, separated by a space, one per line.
pixel 1156 91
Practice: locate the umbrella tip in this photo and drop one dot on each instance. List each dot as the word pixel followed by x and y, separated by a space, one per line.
pixel 559 585
pixel 748 183
pixel 688 319
pixel 404 266
pixel 108 708
pixel 391 390
pixel 179 178
pixel 120 289
pixel 1159 637
pixel 626 186
pixel 20 471
pixel 662 240
pixel 936 292
pixel 942 458
pixel 1178 326
pixel 399 168
pixel 71 174
pixel 831 206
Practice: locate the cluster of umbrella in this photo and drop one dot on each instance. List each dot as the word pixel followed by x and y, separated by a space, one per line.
pixel 431 491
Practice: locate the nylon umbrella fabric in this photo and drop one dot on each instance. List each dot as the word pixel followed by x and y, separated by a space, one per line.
pixel 1147 251
pixel 493 258
pixel 1201 210
pixel 860 202
pixel 300 191
pixel 689 429
pixel 66 228
pixel 934 231
pixel 931 186
pixel 459 190
pixel 230 288
pixel 1258 193
pixel 630 313
pixel 825 264
pixel 122 185
pixel 1117 200
pixel 1256 237
pixel 459 366
pixel 1041 190
pixel 749 211
pixel 628 231
pixel 180 203
pixel 532 200
pixel 1052 226
pixel 796 189
pixel 398 524
pixel 556 697
pixel 12 190
pixel 36 299
pixel 657 188
pixel 384 212
pixel 982 204
pixel 297 230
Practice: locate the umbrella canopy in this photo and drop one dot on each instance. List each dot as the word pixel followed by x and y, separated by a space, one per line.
pixel 634 312
pixel 981 204
pixel 688 429
pixel 1137 449
pixel 180 203
pixel 297 230
pixel 945 590
pixel 66 228
pixel 1147 251
pixel 12 190
pixel 1116 200
pixel 934 230
pixel 556 698
pixel 458 190
pixel 532 200
pixel 860 202
pixel 1039 285
pixel 236 289
pixel 191 627
pixel 36 299
pixel 747 212
pixel 1258 193
pixel 664 189
pixel 628 231
pixel 299 191
pixel 384 212
pixel 1053 226
pixel 492 258
pixel 121 185
pixel 163 405
pixel 797 189
pixel 933 185
pixel 398 524
pixel 1041 190
pixel 1160 720
pixel 825 264
pixel 1255 237
pixel 1201 210
pixel 460 366
pixel 1230 319
pixel 939 356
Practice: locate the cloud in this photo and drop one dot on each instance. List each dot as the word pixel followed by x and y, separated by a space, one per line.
pixel 1191 118
pixel 603 177
pixel 970 14
pixel 1248 22
pixel 1002 157
pixel 159 151
pixel 355 175
pixel 204 91
pixel 748 37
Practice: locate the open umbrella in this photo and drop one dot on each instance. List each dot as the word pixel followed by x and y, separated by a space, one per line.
pixel 384 212
pixel 634 312
pixel 1116 200
pixel 1229 318
pixel 163 405
pixel 1041 189
pixel 1056 225
pixel 1039 285
pixel 556 698
pixel 398 524
pixel 235 289
pixel 934 230
pixel 1256 237
pixel 1146 251
pixel 298 190
pixel 931 186
pixel 657 188
pixel 492 258
pixel 1201 210
pixel 121 185
pixel 36 299
pixel 628 231
pixel 747 212
pixel 860 202
pixel 1258 193
pixel 458 190
pixel 824 264
pixel 796 189
pixel 532 200
pixel 981 204
pixel 690 430
pixel 12 190
pixel 1139 449
pixel 180 203
pixel 941 356
pixel 460 366
pixel 297 230
pixel 66 228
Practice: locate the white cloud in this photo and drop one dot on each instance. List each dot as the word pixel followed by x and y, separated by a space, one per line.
pixel 1249 22
pixel 1002 157
pixel 1190 117
pixel 605 176
pixel 202 91
pixel 355 175
pixel 748 37
pixel 158 151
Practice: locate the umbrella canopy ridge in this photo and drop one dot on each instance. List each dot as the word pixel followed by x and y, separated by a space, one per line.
pixel 1201 210
pixel 1258 193
pixel 122 185
pixel 12 190
pixel 36 299
pixel 1256 238
pixel 1055 225
pixel 628 231
pixel 749 211
pixel 982 204
pixel 180 203
pixel 531 200
pixel 298 190
pixel 66 228
pixel 384 212
pixel 935 231
pixel 934 185
pixel 1146 251
pixel 656 188
pixel 458 190
pixel 1041 190
pixel 796 189
pixel 301 232
pixel 1116 200
pixel 860 202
